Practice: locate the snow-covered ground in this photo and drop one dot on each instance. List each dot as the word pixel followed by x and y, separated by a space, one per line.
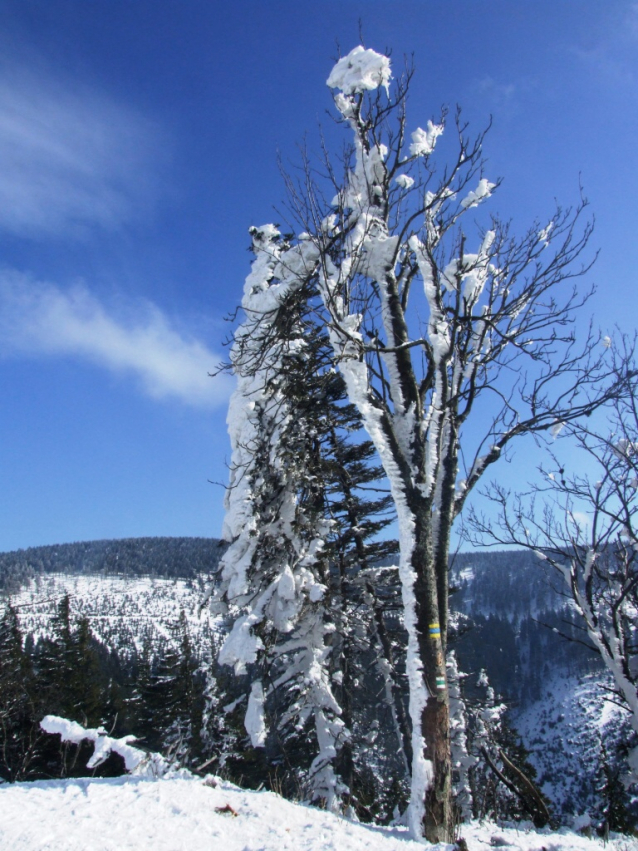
pixel 171 814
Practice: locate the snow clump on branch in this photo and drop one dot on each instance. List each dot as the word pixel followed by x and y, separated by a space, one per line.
pixel 423 141
pixel 359 71
pixel 404 181
pixel 482 191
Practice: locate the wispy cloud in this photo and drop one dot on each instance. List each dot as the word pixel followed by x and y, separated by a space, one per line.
pixel 611 50
pixel 500 94
pixel 71 157
pixel 39 319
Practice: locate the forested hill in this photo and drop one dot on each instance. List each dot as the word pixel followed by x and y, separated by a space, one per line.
pixel 517 612
pixel 510 584
pixel 138 600
pixel 167 557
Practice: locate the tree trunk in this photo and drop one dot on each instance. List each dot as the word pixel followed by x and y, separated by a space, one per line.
pixel 438 822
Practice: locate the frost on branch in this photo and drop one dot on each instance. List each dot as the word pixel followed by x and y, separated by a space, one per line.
pixel 274 575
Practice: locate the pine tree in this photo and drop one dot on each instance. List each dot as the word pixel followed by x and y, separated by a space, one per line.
pixel 276 573
pixel 139 705
pixel 167 703
pixel 69 669
pixel 85 678
pixel 71 683
pixel 182 739
pixel 365 599
pixel 502 777
pixel 53 660
pixel 226 749
pixel 618 807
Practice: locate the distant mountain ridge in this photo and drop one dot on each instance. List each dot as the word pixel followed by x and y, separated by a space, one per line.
pixel 184 558
pixel 510 584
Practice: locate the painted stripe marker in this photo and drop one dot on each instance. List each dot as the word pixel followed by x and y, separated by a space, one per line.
pixel 440 682
pixel 435 630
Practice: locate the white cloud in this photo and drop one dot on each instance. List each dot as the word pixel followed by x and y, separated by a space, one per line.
pixel 71 156
pixel 39 319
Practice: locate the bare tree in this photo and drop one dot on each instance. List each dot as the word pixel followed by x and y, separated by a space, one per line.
pixel 585 526
pixel 450 346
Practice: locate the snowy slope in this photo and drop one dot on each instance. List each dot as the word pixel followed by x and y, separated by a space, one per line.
pixel 124 612
pixel 126 814
pixel 565 732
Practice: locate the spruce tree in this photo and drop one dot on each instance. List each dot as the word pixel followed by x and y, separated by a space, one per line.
pixel 18 725
pixel 86 686
pixel 276 573
pixel 71 683
pixel 305 544
pixel 182 738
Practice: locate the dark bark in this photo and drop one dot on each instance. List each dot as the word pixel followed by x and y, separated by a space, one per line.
pixel 438 822
pixel 435 720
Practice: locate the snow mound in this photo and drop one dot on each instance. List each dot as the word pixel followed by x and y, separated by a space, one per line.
pixel 359 71
pixel 132 814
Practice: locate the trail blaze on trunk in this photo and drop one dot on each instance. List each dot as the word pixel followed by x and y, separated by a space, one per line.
pixel 435 719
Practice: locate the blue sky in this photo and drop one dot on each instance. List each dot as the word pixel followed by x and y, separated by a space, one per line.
pixel 139 141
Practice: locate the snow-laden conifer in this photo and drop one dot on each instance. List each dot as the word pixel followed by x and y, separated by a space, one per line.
pixel 462 760
pixel 275 574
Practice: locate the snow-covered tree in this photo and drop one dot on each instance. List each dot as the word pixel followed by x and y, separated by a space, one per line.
pixel 365 596
pixel 584 525
pixel 275 574
pixel 462 760
pixel 300 469
pixel 425 323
